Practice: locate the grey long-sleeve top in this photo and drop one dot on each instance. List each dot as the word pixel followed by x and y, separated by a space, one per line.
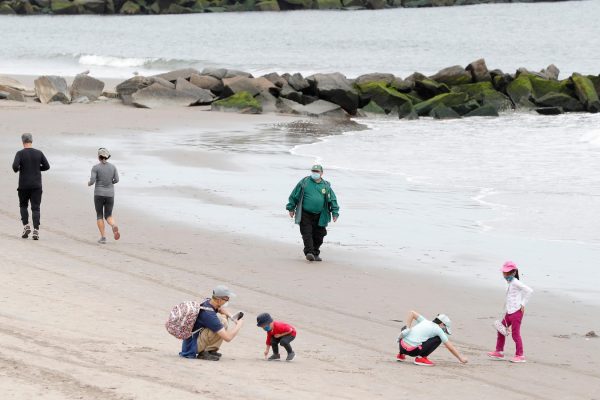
pixel 104 175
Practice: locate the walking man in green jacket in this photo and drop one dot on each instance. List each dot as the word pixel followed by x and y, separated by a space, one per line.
pixel 313 203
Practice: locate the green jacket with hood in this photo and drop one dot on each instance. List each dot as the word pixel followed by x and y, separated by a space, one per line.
pixel 330 204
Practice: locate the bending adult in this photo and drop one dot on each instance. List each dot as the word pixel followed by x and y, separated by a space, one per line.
pixel 211 327
pixel 313 204
pixel 104 176
pixel 425 337
pixel 30 163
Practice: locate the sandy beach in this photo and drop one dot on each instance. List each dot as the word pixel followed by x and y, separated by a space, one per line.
pixel 81 320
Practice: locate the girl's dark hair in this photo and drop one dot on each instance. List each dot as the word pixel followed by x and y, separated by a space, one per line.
pixel 436 321
pixel 517 274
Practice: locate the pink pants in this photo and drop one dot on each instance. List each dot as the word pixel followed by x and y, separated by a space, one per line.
pixel 513 320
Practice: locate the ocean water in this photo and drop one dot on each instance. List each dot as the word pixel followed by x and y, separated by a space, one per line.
pixel 454 197
pixel 400 41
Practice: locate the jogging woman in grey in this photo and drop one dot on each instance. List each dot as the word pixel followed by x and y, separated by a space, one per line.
pixel 104 176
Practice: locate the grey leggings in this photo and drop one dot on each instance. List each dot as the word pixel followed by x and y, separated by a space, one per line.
pixel 104 206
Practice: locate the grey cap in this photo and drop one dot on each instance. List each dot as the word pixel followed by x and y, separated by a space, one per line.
pixel 222 291
pixel 27 138
pixel 444 318
pixel 102 152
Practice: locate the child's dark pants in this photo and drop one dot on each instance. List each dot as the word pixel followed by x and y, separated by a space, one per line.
pixel 284 341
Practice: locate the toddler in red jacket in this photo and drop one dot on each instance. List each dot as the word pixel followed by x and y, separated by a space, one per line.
pixel 277 333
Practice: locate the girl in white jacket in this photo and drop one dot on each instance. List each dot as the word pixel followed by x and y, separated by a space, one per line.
pixel 517 296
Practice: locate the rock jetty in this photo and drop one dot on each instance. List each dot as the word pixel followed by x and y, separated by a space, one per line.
pixel 453 92
pixel 130 7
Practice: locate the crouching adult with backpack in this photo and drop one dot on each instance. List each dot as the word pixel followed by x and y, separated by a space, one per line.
pixel 210 327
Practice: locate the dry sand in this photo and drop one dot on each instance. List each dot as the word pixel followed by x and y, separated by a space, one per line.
pixel 83 321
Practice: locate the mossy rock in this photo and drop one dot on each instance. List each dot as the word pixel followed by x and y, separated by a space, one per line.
pixel 373 108
pixel 562 100
pixel 215 9
pixel 269 5
pixel 586 92
pixel 428 88
pixel 443 112
pixel 542 87
pixel 467 107
pixel 129 8
pixel 65 7
pixel 445 99
pixel 247 5
pixel 5 9
pixel 483 111
pixel 520 91
pixel 386 97
pixel 177 9
pixel 328 4
pixel 242 102
pixel 407 111
pixel 485 94
pixel 295 4
pixel 596 81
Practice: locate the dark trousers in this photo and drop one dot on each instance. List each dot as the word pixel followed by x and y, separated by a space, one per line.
pixel 312 233
pixel 35 197
pixel 425 349
pixel 284 341
pixel 104 206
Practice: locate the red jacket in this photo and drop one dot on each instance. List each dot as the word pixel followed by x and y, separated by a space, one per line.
pixel 278 329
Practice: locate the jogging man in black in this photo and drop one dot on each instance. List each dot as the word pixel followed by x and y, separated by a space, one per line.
pixel 30 163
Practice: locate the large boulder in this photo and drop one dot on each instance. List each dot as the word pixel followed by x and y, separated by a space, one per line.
pixel 445 99
pixel 561 100
pixel 159 96
pixel 549 110
pixel 232 73
pixel 319 108
pixel 128 8
pixel 407 111
pixel 207 82
pixel 543 86
pixel 253 86
pixel 427 88
pixel 11 93
pixel 86 86
pixel 6 9
pixel 52 88
pixel 11 83
pixel 386 97
pixel 336 89
pixel 330 4
pixel 520 92
pixel 443 112
pixel 218 73
pixel 479 71
pixel 455 75
pixel 375 4
pixel 586 92
pixel 127 88
pixel 285 5
pixel 267 5
pixel 276 79
pixel 93 6
pixel 268 102
pixel 242 102
pixel 66 7
pixel 202 96
pixel 485 94
pixel 373 108
pixel 551 72
pixel 172 76
pixel 388 79
pixel 483 111
pixel 298 82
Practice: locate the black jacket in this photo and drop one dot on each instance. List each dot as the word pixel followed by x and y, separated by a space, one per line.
pixel 30 163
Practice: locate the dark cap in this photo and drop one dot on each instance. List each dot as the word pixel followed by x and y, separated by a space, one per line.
pixel 263 319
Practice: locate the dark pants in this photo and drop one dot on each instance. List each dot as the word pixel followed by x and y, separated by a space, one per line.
pixel 104 206
pixel 312 233
pixel 284 341
pixel 425 349
pixel 35 197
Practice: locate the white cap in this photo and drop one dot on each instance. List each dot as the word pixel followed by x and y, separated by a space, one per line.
pixel 444 318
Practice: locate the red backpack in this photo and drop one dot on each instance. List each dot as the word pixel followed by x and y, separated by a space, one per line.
pixel 182 318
